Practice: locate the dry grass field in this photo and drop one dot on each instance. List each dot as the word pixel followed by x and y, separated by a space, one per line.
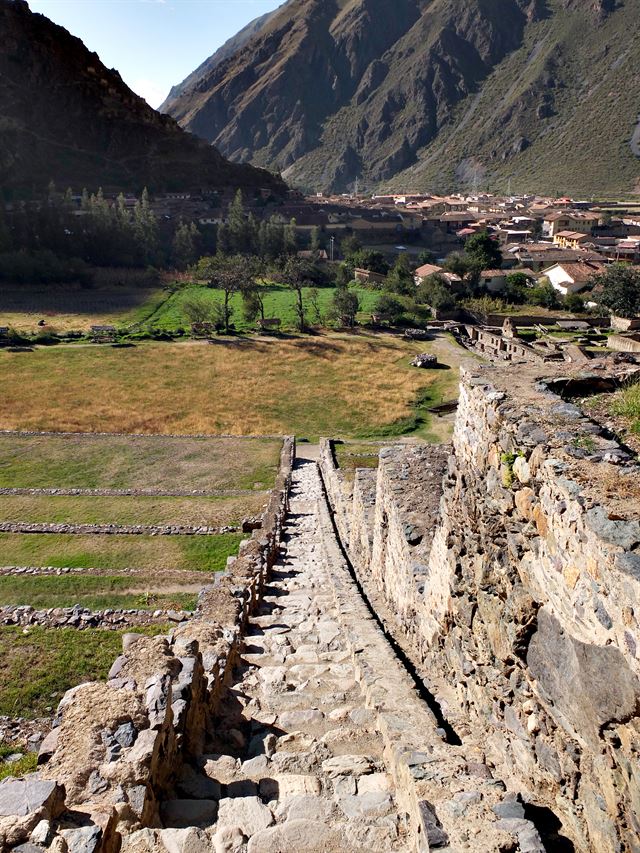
pixel 332 384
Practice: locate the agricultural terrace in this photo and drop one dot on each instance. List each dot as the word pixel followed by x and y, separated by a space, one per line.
pixel 195 491
pixel 342 384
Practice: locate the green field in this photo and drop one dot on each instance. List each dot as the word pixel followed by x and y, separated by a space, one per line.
pixel 56 659
pixel 124 510
pixel 95 592
pixel 135 462
pixel 114 553
pixel 279 301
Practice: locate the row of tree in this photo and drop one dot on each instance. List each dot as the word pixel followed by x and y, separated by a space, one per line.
pixel 115 233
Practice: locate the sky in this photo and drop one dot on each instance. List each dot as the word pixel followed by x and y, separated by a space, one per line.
pixel 154 44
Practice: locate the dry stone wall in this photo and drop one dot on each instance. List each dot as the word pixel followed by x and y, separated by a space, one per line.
pixel 118 748
pixel 519 596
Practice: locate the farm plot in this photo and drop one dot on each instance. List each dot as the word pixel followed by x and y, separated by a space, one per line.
pixel 158 463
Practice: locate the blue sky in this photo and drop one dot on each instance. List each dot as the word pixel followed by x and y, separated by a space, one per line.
pixel 154 44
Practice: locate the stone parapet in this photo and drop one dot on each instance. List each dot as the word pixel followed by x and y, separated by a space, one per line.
pixel 517 595
pixel 118 748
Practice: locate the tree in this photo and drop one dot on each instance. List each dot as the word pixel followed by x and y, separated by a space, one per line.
pixel 426 257
pixel 544 295
pixel 483 251
pixel 433 291
pixel 620 290
pixel 368 259
pixel 389 309
pixel 517 288
pixel 296 274
pixel 228 274
pixel 184 246
pixel 349 245
pixel 345 306
pixel 318 241
pixel 291 238
pixel 400 278
pixel 574 302
pixel 253 290
pixel 237 223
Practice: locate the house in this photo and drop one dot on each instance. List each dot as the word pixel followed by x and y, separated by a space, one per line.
pixel 427 270
pixel 569 220
pixel 573 277
pixel 453 221
pixel 570 239
pixel 494 281
pixel 368 277
pixel 537 256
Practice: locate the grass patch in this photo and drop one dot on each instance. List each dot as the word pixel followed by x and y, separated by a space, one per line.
pixel 95 592
pixel 128 462
pixel 27 764
pixel 330 384
pixel 56 660
pixel 279 301
pixel 70 307
pixel 626 404
pixel 357 455
pixel 64 509
pixel 193 553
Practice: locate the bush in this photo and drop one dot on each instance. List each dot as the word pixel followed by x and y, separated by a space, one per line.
pixel 389 309
pixel 574 303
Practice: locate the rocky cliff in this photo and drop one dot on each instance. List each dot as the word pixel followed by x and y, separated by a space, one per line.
pixel 65 117
pixel 430 94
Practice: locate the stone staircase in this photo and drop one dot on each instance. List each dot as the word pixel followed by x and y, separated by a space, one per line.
pixel 322 743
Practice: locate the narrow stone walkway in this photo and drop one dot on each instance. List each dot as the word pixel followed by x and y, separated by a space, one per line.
pixel 297 764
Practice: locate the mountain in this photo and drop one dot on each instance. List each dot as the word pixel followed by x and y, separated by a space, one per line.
pixel 230 47
pixel 432 94
pixel 65 117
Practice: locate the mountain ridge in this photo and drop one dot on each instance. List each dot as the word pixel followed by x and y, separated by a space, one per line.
pixel 437 93
pixel 65 117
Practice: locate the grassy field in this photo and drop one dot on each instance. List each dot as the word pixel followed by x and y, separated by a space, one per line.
pixel 190 553
pixel 330 384
pixel 55 660
pixel 279 301
pixel 96 592
pixel 123 462
pixel 63 509
pixel 67 308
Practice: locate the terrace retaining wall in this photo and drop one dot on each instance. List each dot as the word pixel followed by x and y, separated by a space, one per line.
pixel 509 570
pixel 118 748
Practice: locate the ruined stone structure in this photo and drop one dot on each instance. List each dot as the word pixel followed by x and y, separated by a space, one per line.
pixel 507 566
pixel 447 660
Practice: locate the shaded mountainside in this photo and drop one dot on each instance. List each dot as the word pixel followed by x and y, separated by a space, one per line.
pixel 65 117
pixel 432 94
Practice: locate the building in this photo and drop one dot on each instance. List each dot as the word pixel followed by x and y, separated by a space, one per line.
pixel 494 281
pixel 570 239
pixel 573 277
pixel 427 270
pixel 569 220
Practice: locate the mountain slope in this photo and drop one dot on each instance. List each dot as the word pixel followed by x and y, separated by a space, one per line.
pixel 65 117
pixel 432 94
pixel 230 47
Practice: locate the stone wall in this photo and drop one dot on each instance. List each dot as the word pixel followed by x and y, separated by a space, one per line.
pixel 119 749
pixel 519 601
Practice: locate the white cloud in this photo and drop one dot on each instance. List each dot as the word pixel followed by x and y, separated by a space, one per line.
pixel 153 94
